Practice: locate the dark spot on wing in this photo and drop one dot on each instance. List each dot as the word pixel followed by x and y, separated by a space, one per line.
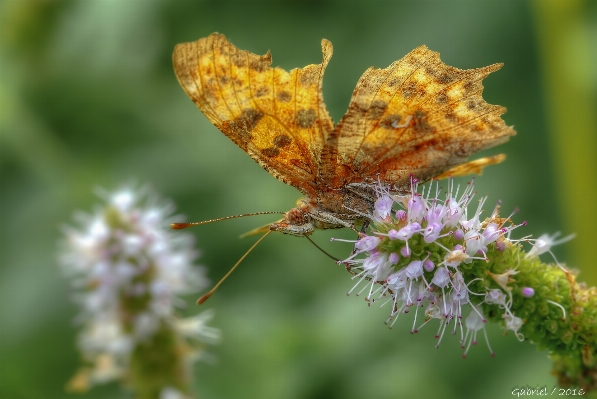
pixel 282 141
pixel 425 145
pixel 250 117
pixel 262 64
pixel 445 78
pixel 308 76
pixel 239 59
pixel 471 86
pixel 305 118
pixel 420 123
pixel 245 135
pixel 433 72
pixel 244 124
pixel 392 82
pixel 357 110
pixel 377 109
pixel 409 90
pixel 471 104
pixel 283 96
pixel 222 47
pixel 262 91
pixel 271 152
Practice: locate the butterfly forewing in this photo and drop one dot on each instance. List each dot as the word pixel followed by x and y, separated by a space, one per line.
pixel 417 117
pixel 277 117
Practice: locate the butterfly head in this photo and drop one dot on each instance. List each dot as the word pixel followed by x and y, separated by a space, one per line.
pixel 296 222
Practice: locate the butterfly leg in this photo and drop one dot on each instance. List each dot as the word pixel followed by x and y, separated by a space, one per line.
pixel 365 225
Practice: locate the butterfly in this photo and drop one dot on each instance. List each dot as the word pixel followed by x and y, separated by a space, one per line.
pixel 418 118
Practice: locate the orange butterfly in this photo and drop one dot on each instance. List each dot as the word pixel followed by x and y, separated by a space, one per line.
pixel 418 117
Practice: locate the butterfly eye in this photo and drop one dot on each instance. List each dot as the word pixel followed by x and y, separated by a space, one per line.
pixel 296 216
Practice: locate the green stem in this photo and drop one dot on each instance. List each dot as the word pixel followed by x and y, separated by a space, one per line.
pixel 158 363
pixel 567 52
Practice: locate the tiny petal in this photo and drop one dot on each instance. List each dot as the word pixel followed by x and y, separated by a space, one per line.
pixel 491 233
pixel 453 215
pixel 432 232
pixel 405 233
pixel 383 206
pixel 416 208
pixel 367 243
pixel 414 269
pixel 512 322
pixel 394 235
pixel 455 258
pixel 504 279
pixel 474 321
pixel 473 242
pixel 123 200
pixel 495 296
pixel 545 242
pixel 396 280
pixel 441 278
pixel 542 245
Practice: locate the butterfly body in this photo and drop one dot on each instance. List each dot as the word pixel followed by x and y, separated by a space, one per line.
pixel 335 209
pixel 418 117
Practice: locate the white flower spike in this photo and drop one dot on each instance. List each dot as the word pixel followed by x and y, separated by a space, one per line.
pixel 128 269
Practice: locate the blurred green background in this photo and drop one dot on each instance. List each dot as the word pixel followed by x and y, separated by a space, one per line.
pixel 88 98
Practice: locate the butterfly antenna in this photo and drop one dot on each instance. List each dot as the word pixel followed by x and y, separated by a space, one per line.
pixel 178 226
pixel 210 293
pixel 322 250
